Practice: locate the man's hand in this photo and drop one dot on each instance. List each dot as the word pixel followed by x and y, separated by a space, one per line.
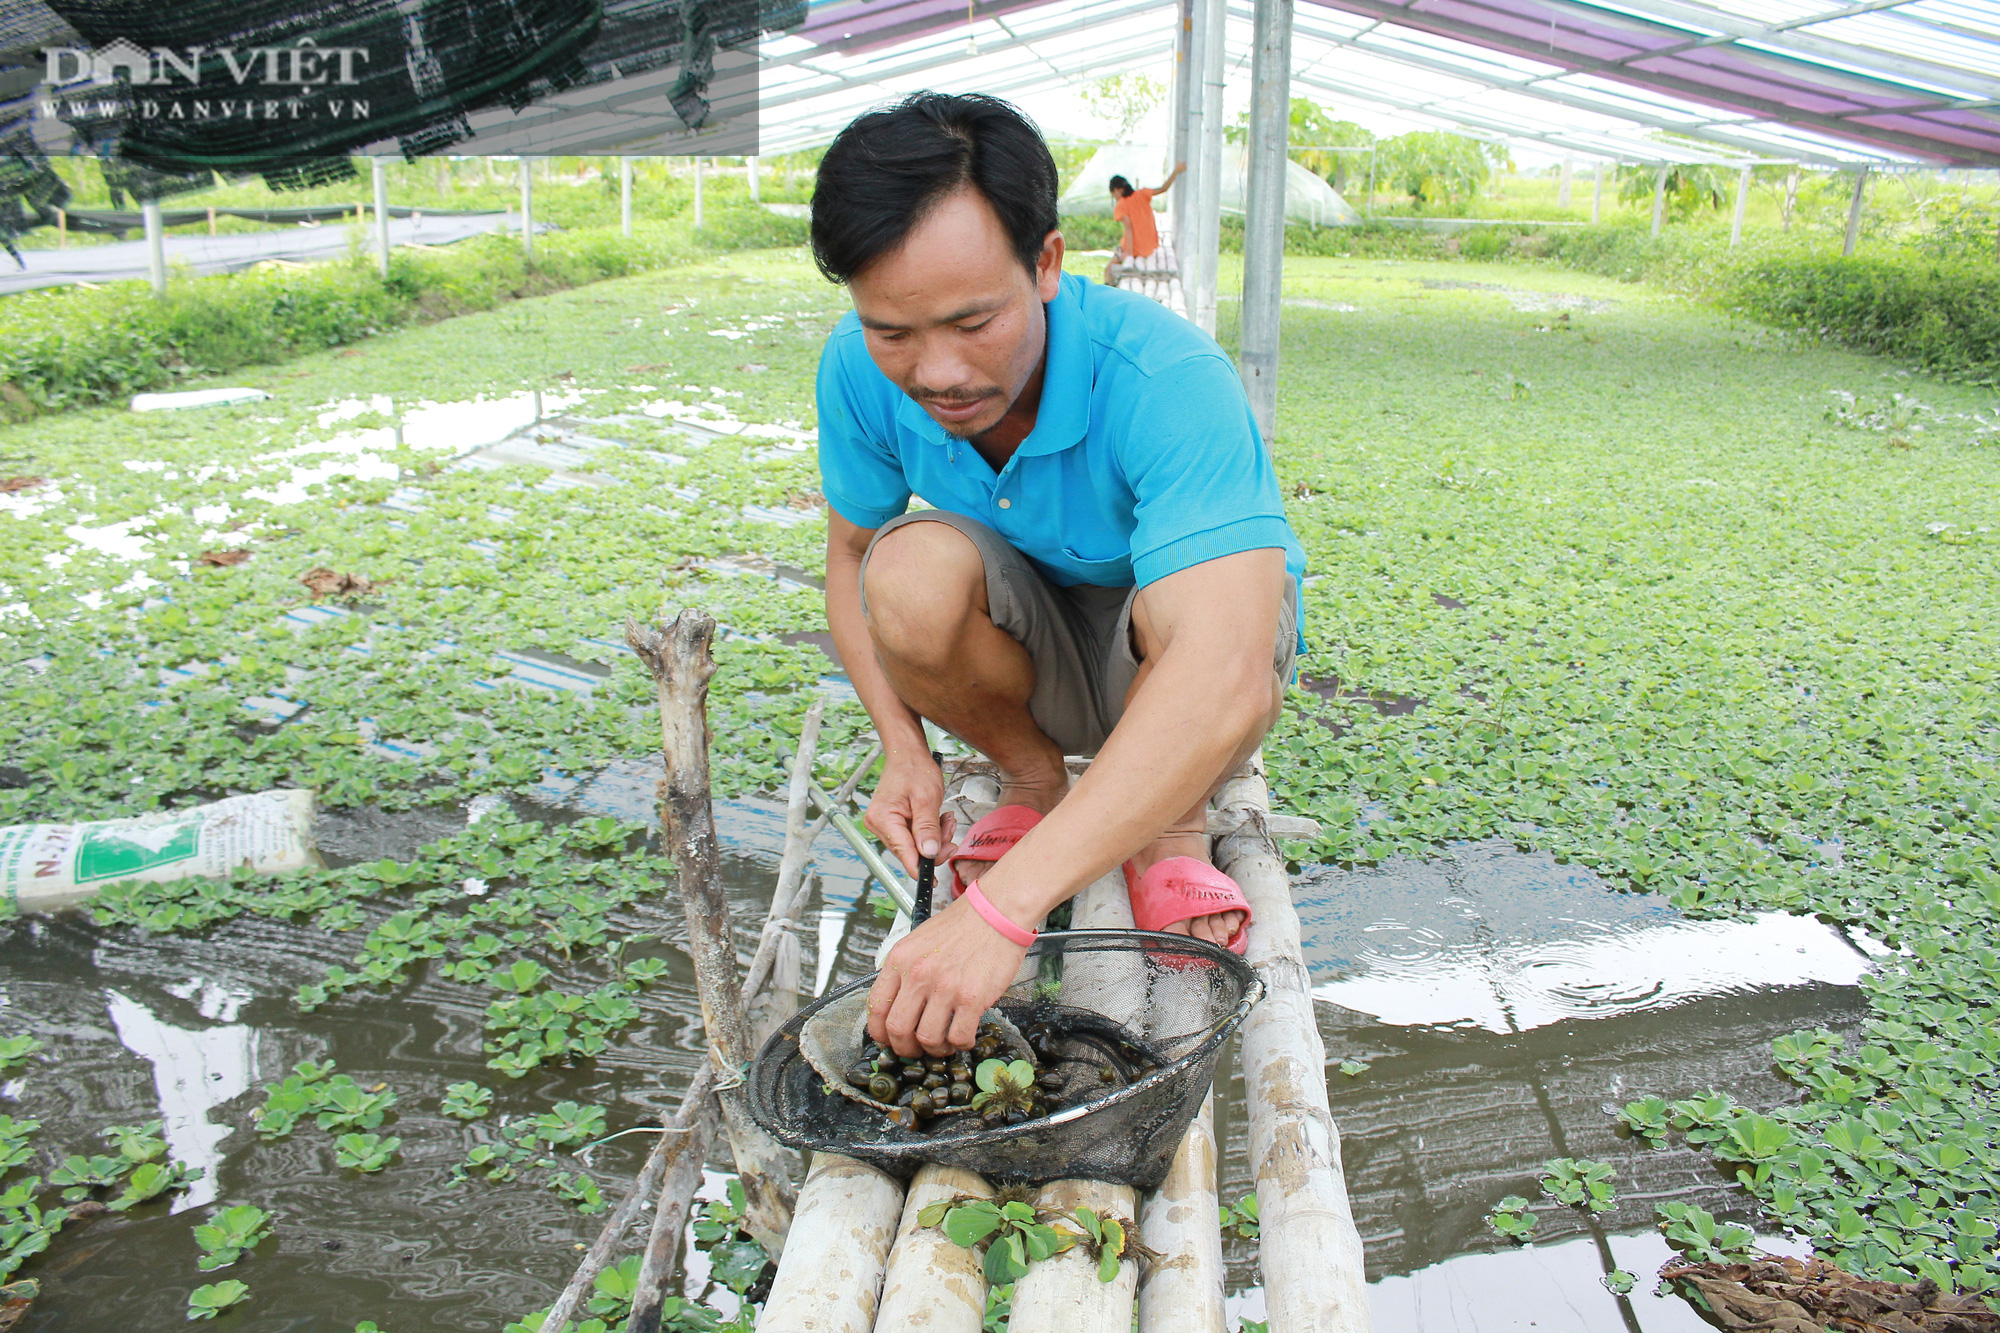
pixel 903 811
pixel 939 981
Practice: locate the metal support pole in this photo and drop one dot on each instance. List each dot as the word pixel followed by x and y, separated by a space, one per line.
pixel 1659 198
pixel 1264 210
pixel 625 196
pixel 1562 182
pixel 1854 212
pixel 1597 195
pixel 380 173
pixel 156 246
pixel 697 194
pixel 1185 97
pixel 750 169
pixel 1742 201
pixel 1214 73
pixel 527 212
pixel 1187 220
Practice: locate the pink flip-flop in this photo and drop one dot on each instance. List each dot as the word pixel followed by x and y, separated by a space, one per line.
pixel 991 838
pixel 1181 888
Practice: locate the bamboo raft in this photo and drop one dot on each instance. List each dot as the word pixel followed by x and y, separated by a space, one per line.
pixel 855 1259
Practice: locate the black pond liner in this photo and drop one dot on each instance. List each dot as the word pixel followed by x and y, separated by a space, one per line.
pixel 1155 1008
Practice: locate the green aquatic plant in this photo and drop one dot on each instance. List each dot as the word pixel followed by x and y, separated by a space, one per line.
pixel 209 1301
pixel 1578 1182
pixel 16 1051
pixel 1240 1218
pixel 1511 1219
pixel 137 1143
pixel 1695 1233
pixel 466 1101
pixel 149 1180
pixel 365 1152
pixel 230 1234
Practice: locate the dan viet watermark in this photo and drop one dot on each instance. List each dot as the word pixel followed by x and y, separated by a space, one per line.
pixel 203 83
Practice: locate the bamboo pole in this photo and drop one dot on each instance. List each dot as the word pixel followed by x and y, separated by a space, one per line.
pixel 62 229
pixel 625 196
pixel 1742 202
pixel 679 656
pixel 838 1251
pixel 1181 1291
pixel 1597 195
pixel 1309 1250
pixel 752 170
pixel 697 194
pixel 930 1283
pixel 1659 198
pixel 779 1000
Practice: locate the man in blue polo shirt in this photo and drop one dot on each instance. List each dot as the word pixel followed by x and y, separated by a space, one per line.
pixel 1105 566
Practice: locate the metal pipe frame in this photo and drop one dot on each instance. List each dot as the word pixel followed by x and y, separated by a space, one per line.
pixel 1264 211
pixel 1214 80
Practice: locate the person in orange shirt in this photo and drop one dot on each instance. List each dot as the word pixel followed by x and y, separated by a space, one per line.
pixel 1134 209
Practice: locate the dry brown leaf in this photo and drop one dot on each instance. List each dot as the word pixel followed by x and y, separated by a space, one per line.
pixel 322 581
pixel 223 559
pixel 11 484
pixel 1784 1295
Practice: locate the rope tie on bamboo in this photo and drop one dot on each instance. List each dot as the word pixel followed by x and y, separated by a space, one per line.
pixel 727 1076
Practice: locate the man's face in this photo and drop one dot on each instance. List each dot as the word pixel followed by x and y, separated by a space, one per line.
pixel 953 318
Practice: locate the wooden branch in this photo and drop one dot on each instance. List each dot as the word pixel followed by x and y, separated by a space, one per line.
pixel 697 1104
pixel 680 657
pixel 670 1215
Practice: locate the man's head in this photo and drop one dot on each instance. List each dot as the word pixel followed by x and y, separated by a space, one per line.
pixel 939 213
pixel 1121 187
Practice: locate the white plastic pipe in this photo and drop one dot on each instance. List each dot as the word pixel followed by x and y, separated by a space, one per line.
pixel 380 173
pixel 156 245
pixel 527 212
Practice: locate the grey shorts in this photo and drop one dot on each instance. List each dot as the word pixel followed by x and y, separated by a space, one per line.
pixel 1079 638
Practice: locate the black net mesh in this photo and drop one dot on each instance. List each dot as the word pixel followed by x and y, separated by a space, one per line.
pixel 1127 1024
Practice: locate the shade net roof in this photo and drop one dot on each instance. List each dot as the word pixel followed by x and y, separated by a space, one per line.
pixel 1819 81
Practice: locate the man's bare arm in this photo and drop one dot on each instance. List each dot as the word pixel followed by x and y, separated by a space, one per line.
pixel 1205 702
pixel 1173 176
pixel 904 810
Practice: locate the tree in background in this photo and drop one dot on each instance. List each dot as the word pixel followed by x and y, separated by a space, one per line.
pixel 1123 99
pixel 1435 166
pixel 1313 126
pixel 1691 187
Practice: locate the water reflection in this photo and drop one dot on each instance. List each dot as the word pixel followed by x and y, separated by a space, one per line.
pixel 1508 941
pixel 195 1070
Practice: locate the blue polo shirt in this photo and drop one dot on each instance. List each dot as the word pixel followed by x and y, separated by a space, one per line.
pixel 1144 459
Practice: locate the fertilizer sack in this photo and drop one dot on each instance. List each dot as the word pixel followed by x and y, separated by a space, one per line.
pixel 44 867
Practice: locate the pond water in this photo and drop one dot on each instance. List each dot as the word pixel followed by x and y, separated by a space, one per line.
pixel 1505 1005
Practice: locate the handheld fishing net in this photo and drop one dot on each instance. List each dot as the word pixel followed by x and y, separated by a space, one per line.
pixel 1123 1028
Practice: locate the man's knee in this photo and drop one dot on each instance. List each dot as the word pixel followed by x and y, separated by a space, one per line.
pixel 921 582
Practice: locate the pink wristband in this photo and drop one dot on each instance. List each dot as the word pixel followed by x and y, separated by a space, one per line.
pixel 985 908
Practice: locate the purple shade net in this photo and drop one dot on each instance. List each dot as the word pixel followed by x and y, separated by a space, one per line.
pixel 1766 85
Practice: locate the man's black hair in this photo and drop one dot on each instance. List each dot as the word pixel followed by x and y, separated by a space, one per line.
pixel 1121 185
pixel 891 166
